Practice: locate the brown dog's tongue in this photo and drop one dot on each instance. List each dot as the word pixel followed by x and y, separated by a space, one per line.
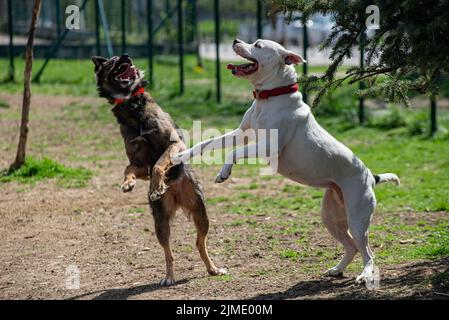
pixel 129 72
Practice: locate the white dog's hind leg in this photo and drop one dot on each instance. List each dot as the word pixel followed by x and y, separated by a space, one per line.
pixel 333 214
pixel 360 207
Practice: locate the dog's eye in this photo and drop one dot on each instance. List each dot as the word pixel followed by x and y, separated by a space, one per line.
pixel 258 45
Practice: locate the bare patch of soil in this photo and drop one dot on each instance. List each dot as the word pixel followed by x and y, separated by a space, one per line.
pixel 109 236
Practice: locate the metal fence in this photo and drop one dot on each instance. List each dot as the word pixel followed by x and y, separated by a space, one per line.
pixel 144 28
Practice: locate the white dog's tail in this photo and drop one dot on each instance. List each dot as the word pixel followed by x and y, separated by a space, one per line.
pixel 386 177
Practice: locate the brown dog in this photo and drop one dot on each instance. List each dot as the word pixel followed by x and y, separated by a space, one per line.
pixel 150 140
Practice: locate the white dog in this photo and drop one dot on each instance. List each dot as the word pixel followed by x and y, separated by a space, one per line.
pixel 306 153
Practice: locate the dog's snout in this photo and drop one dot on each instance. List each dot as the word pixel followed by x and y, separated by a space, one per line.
pixel 124 58
pixel 237 41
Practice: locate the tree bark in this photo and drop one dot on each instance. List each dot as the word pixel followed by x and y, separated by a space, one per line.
pixel 20 156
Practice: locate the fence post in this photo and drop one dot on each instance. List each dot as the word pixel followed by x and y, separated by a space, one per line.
pixel 433 109
pixel 305 69
pixel 362 83
pixel 181 47
pixel 11 43
pixel 217 49
pixel 58 17
pixel 104 23
pixel 259 19
pixel 196 35
pixel 167 24
pixel 123 11
pixel 433 116
pixel 97 29
pixel 150 40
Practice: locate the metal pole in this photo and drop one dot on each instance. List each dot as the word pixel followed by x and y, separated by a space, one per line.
pixel 58 17
pixel 217 49
pixel 123 10
pixel 196 34
pixel 305 69
pixel 181 47
pixel 150 40
pixel 259 19
pixel 165 20
pixel 189 23
pixel 97 29
pixel 361 83
pixel 433 116
pixel 11 43
pixel 433 109
pixel 167 23
pixel 104 23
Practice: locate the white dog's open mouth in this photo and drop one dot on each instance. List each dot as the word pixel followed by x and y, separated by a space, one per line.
pixel 244 69
pixel 126 73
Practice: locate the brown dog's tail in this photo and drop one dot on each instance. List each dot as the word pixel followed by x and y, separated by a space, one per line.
pixel 386 177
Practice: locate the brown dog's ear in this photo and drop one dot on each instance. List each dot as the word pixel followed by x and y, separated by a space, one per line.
pixel 292 58
pixel 98 61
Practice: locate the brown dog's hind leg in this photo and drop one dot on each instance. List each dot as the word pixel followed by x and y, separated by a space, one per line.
pixel 161 216
pixel 199 216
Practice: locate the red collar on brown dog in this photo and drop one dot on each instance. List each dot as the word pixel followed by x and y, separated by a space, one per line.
pixel 141 90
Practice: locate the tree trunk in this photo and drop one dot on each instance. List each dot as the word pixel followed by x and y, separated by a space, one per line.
pixel 20 157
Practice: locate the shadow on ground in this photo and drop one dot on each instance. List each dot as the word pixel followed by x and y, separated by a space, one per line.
pixel 421 280
pixel 123 293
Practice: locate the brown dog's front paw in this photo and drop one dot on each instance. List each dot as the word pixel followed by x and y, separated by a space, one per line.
pixel 157 194
pixel 128 185
pixel 218 271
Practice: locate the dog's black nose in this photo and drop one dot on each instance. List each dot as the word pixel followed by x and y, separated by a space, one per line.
pixel 236 41
pixel 124 56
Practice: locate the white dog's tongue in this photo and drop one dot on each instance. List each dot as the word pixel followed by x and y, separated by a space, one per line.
pixel 242 69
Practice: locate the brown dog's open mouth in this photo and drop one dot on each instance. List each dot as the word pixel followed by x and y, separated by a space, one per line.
pixel 244 69
pixel 126 73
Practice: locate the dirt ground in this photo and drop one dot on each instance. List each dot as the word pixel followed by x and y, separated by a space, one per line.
pixel 110 239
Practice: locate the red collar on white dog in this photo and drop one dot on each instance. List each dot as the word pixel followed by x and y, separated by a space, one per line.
pixel 265 94
pixel 139 91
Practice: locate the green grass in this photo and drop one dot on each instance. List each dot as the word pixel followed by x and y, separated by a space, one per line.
pixel 289 254
pixel 4 104
pixel 222 278
pixel 39 169
pixel 228 27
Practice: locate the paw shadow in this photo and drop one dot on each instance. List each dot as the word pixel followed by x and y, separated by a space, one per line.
pixel 125 293
pixel 418 280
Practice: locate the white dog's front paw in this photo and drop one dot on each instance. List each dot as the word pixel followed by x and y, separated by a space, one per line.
pixel 224 173
pixel 184 156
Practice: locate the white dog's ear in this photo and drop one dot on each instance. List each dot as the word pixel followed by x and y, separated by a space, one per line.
pixel 292 58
